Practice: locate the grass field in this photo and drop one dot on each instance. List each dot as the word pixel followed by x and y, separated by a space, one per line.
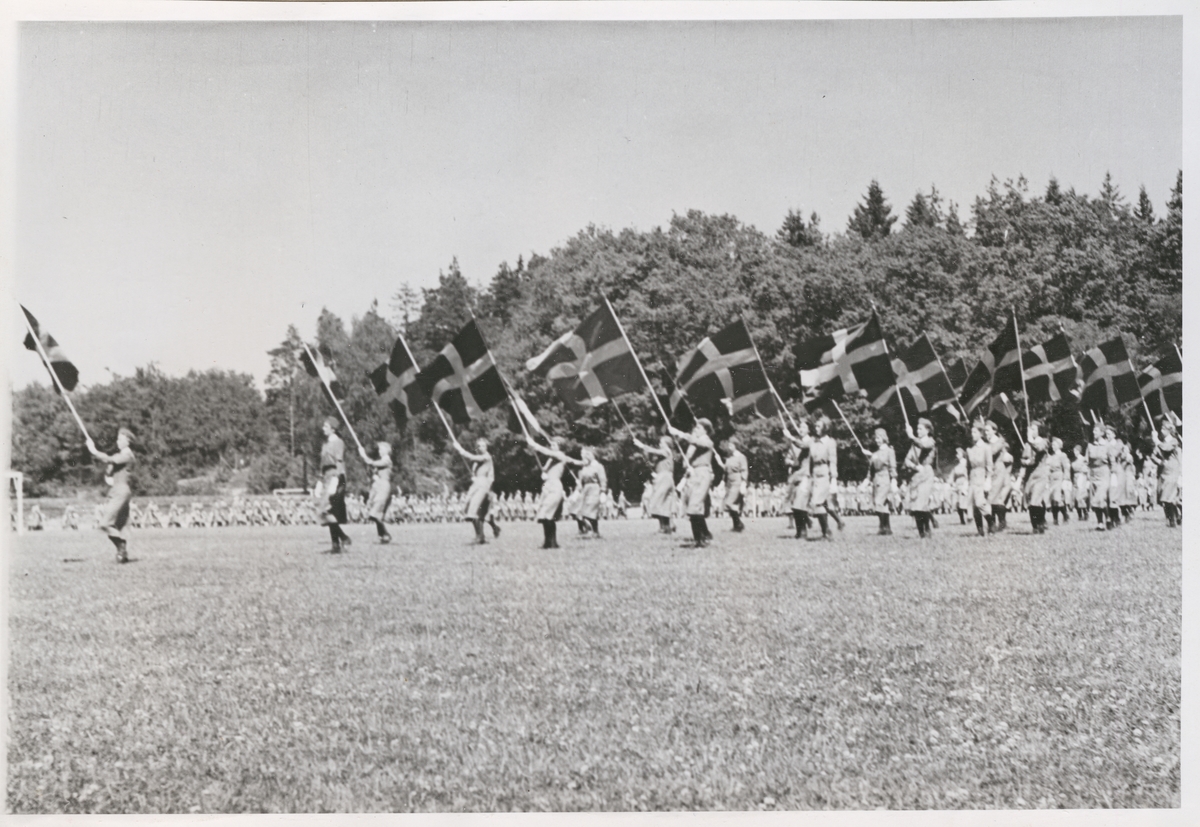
pixel 229 670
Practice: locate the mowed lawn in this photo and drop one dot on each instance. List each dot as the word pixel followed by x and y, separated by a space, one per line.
pixel 243 670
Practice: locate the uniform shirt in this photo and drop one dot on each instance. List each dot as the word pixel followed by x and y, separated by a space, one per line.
pixel 333 455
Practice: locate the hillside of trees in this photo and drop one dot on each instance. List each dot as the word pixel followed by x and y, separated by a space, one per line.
pixel 1094 265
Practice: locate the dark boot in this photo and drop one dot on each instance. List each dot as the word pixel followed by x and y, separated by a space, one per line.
pixel 882 524
pixel 1114 517
pixel 823 519
pixel 962 517
pixel 335 540
pixel 697 531
pixel 798 521
pixel 704 532
pixel 887 523
pixel 480 537
pixel 1169 510
pixel 738 525
pixel 595 524
pixel 545 533
pixel 553 526
pixel 991 523
pixel 979 522
pixel 495 526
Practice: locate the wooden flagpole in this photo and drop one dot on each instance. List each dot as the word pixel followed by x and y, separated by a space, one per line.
pixel 771 385
pixel 1021 367
pixel 54 376
pixel 336 403
pixel 848 428
pixel 646 379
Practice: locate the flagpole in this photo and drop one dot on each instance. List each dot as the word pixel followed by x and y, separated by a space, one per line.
pixel 37 340
pixel 642 370
pixel 847 421
pixel 336 404
pixel 1021 366
pixel 771 385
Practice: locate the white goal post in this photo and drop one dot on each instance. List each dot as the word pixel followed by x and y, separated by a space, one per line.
pixel 17 481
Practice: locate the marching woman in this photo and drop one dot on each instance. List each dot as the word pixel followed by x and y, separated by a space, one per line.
pixel 1099 476
pixel 661 501
pixel 1129 494
pixel 479 495
pixel 737 470
pixel 380 496
pixel 1167 453
pixel 979 478
pixel 883 471
pixel 550 502
pixel 333 485
pixel 799 464
pixel 593 480
pixel 1079 480
pixel 1035 462
pixel 823 454
pixel 116 512
pixel 1002 462
pixel 1058 468
pixel 922 459
pixel 1116 480
pixel 960 488
pixel 699 459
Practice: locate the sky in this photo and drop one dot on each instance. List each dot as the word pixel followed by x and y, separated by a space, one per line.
pixel 185 191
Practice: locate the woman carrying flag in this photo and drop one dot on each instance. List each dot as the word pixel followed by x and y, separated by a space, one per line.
pixel 1167 452
pixel 333 485
pixel 1035 462
pixel 479 495
pixel 882 471
pixel 550 502
pixel 1099 475
pixel 661 501
pixel 116 512
pixel 593 481
pixel 1002 461
pixel 960 486
pixel 922 459
pixel 381 488
pixel 799 463
pixel 979 478
pixel 823 455
pixel 699 459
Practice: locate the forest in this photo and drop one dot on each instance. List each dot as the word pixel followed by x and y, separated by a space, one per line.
pixel 1090 265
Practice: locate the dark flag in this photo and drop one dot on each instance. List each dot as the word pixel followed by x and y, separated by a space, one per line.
pixel 63 368
pixel 1051 372
pixel 920 379
pixel 1108 379
pixel 463 380
pixel 1162 386
pixel 681 414
pixel 846 361
pixel 591 364
pixel 998 369
pixel 724 367
pixel 956 372
pixel 395 381
pixel 1004 413
pixel 317 363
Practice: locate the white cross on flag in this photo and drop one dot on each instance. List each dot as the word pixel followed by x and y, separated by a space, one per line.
pixel 463 380
pixel 1051 372
pixel 920 378
pixel 591 364
pixel 846 361
pixel 395 382
pixel 1108 380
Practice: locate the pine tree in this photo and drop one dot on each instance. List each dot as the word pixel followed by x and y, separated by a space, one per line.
pixel 872 219
pixel 798 234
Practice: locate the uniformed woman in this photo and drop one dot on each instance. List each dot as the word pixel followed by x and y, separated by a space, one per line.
pixel 661 501
pixel 1002 462
pixel 1116 479
pixel 883 471
pixel 1058 468
pixel 116 511
pixel 380 495
pixel 550 501
pixel 823 456
pixel 698 458
pixel 960 487
pixel 799 463
pixel 333 486
pixel 593 480
pixel 1034 460
pixel 479 496
pixel 1167 453
pixel 921 460
pixel 979 478
pixel 737 470
pixel 1099 476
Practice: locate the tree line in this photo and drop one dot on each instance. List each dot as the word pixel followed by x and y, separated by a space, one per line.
pixel 1092 265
